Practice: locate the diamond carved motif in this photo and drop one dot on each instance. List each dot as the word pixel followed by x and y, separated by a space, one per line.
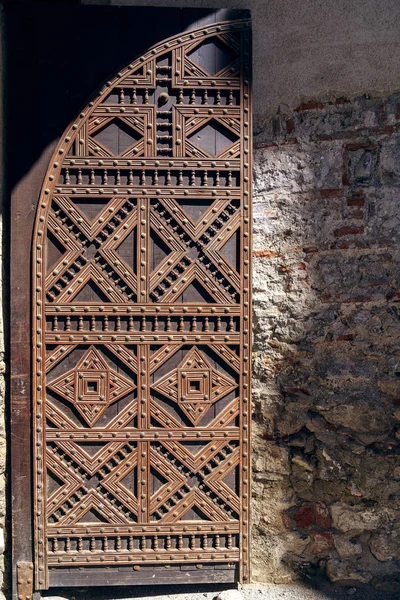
pixel 213 137
pixel 194 385
pixel 92 386
pixel 212 56
pixel 117 137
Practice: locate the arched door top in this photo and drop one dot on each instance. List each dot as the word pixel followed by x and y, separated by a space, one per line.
pixel 141 307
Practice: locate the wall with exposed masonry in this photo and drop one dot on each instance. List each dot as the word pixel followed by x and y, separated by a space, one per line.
pixel 327 342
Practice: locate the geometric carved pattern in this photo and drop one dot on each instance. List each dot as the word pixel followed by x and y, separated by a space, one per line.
pixel 91 386
pixel 212 56
pixel 213 138
pixel 195 385
pixel 116 138
pixel 143 310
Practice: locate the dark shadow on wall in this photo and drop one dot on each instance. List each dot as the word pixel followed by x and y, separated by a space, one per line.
pixel 326 346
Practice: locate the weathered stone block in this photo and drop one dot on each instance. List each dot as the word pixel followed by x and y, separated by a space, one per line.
pixel 284 221
pixel 357 414
pixel 355 277
pixel 273 461
pixel 389 167
pixel 297 168
pixel 292 420
pixel 329 466
pixel 347 547
pixel 321 543
pixel 362 165
pixel 348 518
pixel 385 545
pixel 344 571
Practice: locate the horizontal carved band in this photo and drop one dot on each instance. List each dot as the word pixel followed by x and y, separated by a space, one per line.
pixel 150 557
pixel 150 164
pixel 233 433
pixel 65 337
pixel 202 192
pixel 147 309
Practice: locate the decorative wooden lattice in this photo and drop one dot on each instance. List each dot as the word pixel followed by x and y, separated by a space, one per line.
pixel 142 318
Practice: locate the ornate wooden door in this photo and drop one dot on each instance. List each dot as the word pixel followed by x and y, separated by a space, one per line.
pixel 141 338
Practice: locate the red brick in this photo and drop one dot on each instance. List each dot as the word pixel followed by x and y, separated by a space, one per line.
pixel 267 437
pixel 322 516
pixel 361 146
pixel 342 100
pixel 358 214
pixel 330 427
pixel 296 390
pixel 345 135
pixel 356 201
pixel 394 296
pixel 263 146
pixel 348 230
pixel 304 516
pixel 266 253
pixel 290 125
pixel 330 193
pixel 311 105
pixel 347 337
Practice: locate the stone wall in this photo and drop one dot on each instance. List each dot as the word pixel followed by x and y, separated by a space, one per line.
pixel 326 343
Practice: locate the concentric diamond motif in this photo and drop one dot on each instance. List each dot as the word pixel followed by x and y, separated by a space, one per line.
pixel 195 385
pixel 92 386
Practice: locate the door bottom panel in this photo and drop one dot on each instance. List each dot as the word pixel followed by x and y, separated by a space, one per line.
pixel 144 575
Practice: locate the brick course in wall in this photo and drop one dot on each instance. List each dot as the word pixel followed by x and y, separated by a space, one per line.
pixel 326 496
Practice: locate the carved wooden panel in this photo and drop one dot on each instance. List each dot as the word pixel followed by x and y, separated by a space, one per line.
pixel 142 320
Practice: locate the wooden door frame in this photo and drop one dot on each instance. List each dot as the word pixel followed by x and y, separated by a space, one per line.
pixel 24 197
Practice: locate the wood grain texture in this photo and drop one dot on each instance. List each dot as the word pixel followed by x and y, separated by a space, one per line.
pixel 141 319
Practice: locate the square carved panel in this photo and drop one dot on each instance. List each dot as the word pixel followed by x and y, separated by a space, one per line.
pixel 194 385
